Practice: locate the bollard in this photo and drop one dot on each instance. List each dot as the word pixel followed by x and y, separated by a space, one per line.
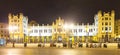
pixel 70 45
pixel 54 45
pixel 118 45
pixel 39 45
pixel 87 45
pixel 64 45
pixel 13 44
pixel 51 44
pixel 25 44
pixel 105 45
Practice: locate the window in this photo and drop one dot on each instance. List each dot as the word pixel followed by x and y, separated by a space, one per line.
pixel 102 23
pixel 70 30
pixel 106 23
pixel 106 18
pixel 109 28
pixel 117 34
pixel 45 31
pixel 90 30
pixel 109 18
pixel 102 18
pixel 75 30
pixel 1 35
pixel 102 28
pixel 24 21
pixel 50 30
pixel 80 30
pixel 35 31
pixel 109 36
pixel 109 23
pixel 55 30
pixel 24 31
pixel 15 20
pixel 106 28
pixel 102 36
pixel 31 31
pixel 40 31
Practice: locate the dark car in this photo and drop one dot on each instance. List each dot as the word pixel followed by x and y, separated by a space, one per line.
pixel 64 45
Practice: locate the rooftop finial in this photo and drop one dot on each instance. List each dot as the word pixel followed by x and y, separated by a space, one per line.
pixel 59 18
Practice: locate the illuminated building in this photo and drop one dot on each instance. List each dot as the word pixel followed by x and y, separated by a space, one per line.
pixel 117 28
pixel 106 26
pixel 18 26
pixel 102 30
pixel 60 31
pixel 4 31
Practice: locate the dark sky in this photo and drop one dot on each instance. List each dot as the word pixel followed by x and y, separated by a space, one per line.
pixel 46 11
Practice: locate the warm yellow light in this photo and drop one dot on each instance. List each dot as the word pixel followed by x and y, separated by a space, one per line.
pixel 68 26
pixel 12 28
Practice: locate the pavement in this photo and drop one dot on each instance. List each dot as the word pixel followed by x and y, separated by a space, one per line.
pixel 32 49
pixel 59 51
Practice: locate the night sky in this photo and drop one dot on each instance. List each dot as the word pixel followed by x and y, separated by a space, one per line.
pixel 46 11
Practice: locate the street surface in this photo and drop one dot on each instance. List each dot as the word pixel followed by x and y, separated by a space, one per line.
pixel 59 51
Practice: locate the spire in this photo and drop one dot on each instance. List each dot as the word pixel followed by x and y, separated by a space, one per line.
pixel 53 23
pixel 99 13
pixel 9 15
pixel 112 13
pixel 59 18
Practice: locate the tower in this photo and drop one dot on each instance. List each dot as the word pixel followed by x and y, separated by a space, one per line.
pixel 17 27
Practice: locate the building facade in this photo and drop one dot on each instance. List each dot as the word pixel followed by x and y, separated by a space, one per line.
pixel 18 27
pixel 117 30
pixel 102 30
pixel 106 26
pixel 4 33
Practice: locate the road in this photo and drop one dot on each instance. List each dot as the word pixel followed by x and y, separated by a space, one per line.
pixel 59 51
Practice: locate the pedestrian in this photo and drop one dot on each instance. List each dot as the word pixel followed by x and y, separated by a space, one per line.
pixel 43 44
pixel 118 45
pixel 105 45
pixel 13 44
pixel 100 45
pixel 76 45
pixel 95 45
pixel 87 45
pixel 91 45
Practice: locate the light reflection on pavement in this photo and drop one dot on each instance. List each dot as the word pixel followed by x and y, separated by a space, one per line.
pixel 50 51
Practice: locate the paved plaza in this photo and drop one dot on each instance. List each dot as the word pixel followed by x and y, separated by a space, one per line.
pixel 59 51
pixel 32 49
